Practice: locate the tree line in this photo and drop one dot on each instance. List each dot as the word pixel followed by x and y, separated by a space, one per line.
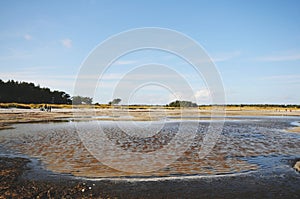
pixel 29 93
pixel 23 92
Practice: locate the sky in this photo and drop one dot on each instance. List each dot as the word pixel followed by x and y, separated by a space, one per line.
pixel 254 45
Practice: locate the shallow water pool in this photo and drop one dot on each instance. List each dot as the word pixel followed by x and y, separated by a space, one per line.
pixel 245 144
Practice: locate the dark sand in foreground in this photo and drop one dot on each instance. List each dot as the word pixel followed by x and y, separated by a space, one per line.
pixel 15 183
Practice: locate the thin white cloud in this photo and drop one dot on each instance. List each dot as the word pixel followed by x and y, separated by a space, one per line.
pixel 283 78
pixel 123 77
pixel 67 43
pixel 105 77
pixel 15 54
pixel 110 76
pixel 27 37
pixel 136 76
pixel 125 62
pixel 221 57
pixel 280 57
pixel 33 76
pixel 202 94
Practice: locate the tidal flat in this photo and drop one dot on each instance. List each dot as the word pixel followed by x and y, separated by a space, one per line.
pixel 253 155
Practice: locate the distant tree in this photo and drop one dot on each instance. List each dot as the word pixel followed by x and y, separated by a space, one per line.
pixel 115 101
pixel 82 100
pixel 178 103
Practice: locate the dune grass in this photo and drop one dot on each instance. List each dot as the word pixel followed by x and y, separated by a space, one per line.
pixel 275 108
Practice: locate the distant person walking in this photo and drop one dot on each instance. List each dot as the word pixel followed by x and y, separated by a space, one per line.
pixel 48 108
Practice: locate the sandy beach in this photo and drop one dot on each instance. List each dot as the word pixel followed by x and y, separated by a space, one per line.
pixel 24 177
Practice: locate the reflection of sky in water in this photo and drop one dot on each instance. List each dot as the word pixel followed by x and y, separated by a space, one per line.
pixel 59 147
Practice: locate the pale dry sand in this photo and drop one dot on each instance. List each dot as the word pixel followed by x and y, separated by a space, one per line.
pixel 294 129
pixel 12 116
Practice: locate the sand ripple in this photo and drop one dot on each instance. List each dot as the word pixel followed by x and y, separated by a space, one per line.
pixel 61 150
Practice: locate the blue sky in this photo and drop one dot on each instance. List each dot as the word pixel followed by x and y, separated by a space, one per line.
pixel 255 45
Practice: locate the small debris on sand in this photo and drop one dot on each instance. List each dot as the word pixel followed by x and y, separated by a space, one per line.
pixel 297 166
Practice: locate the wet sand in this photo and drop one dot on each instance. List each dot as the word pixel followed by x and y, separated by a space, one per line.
pixel 14 183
